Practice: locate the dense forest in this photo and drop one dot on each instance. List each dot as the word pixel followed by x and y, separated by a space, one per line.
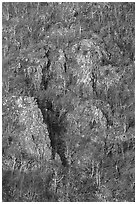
pixel 68 106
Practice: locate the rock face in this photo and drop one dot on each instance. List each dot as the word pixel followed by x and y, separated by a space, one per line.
pixel 68 96
pixel 55 130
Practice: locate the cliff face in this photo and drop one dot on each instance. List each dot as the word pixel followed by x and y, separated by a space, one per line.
pixel 68 101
